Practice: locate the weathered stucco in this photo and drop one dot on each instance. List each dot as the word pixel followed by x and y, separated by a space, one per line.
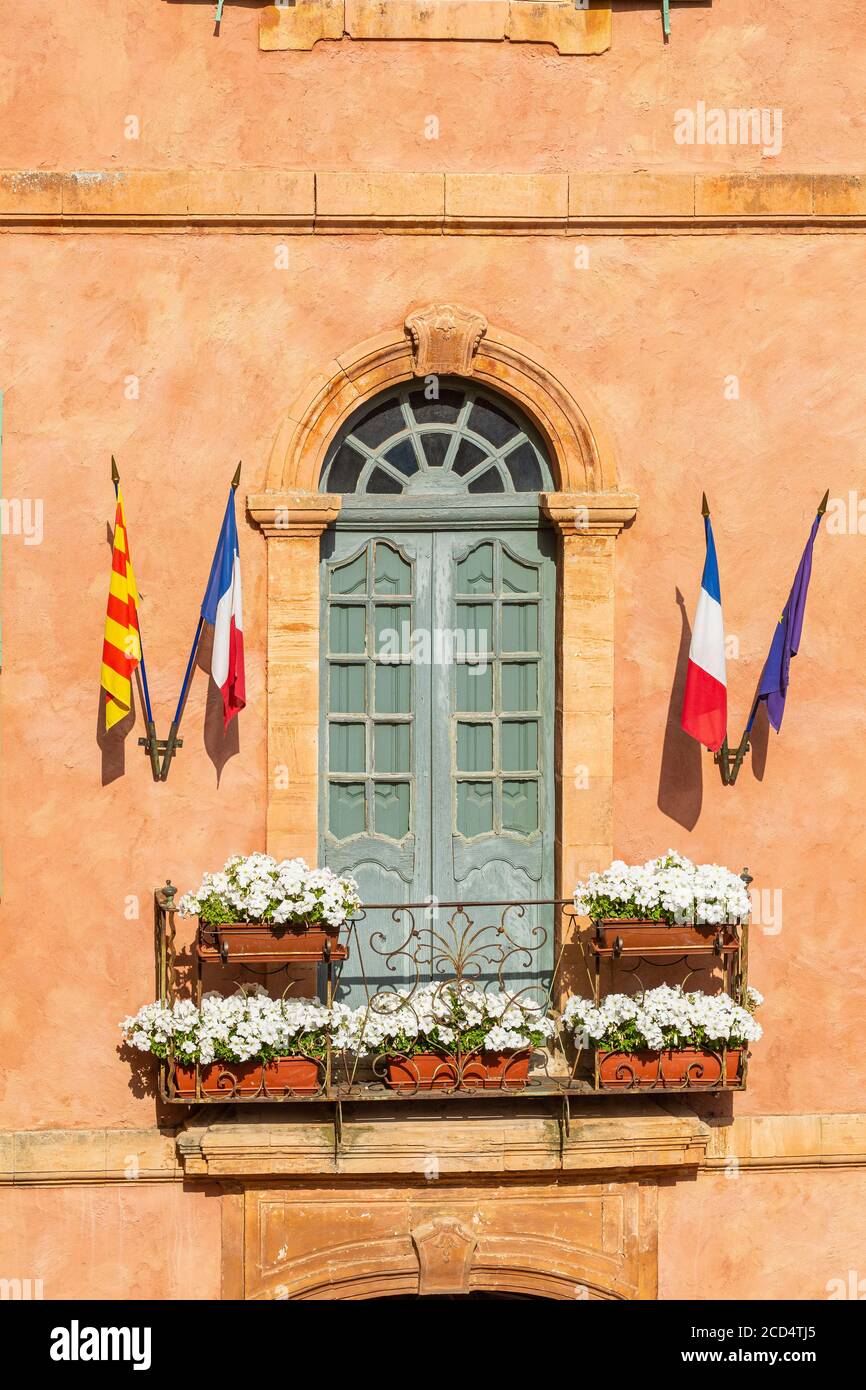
pixel 74 73
pixel 222 342
pixel 131 1241
pixel 770 1236
pixel 182 350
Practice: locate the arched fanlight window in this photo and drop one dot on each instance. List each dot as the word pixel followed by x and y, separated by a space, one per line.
pixel 464 440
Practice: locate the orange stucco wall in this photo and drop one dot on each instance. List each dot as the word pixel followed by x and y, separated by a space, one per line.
pixel 763 1236
pixel 221 341
pixel 126 1242
pixel 74 73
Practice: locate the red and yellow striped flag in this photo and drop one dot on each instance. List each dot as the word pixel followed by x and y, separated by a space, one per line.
pixel 121 650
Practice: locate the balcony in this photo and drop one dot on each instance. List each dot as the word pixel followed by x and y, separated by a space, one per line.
pixel 529 954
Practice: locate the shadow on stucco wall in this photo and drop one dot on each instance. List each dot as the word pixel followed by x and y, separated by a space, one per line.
pixel 142 1071
pixel 220 743
pixel 112 743
pixel 681 789
pixel 759 741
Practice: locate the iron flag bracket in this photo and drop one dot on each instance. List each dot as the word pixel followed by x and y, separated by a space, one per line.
pixel 160 751
pixel 730 760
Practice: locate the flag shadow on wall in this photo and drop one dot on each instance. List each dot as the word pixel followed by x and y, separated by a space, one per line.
pixel 221 744
pixel 681 787
pixel 759 740
pixel 112 742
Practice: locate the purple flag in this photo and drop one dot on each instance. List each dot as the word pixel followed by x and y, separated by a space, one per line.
pixel 786 639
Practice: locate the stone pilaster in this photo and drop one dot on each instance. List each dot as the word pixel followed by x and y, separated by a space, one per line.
pixel 292 523
pixel 588 524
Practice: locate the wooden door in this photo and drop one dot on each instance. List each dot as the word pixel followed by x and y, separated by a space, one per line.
pixel 491 766
pixel 437 738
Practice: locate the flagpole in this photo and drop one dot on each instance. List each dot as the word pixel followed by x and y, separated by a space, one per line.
pixel 728 766
pixel 148 743
pixel 172 743
pixel 722 755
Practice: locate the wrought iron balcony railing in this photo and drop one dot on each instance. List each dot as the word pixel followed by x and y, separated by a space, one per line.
pixel 396 956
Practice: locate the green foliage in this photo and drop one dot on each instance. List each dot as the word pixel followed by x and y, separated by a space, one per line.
pixel 216 912
pixel 468 1040
pixel 627 1037
pixel 615 908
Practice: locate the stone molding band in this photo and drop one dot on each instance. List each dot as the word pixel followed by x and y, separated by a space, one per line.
pixel 644 1141
pixel 270 201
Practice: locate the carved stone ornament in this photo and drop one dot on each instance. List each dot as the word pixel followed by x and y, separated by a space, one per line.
pixel 445 1249
pixel 445 339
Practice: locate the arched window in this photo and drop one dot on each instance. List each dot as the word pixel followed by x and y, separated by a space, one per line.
pixel 465 440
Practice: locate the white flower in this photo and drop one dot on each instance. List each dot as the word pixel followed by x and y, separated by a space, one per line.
pixel 440 1015
pixel 234 1028
pixel 660 1018
pixel 670 887
pixel 259 888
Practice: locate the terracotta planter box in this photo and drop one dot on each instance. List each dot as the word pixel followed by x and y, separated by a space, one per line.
pixel 482 1071
pixel 497 1071
pixel 261 942
pixel 298 1075
pixel 689 1067
pixel 634 933
pixel 426 1071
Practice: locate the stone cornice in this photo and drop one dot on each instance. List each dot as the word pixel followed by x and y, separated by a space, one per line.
pixel 64 1157
pixel 589 513
pixel 513 1140
pixel 605 1138
pixel 283 515
pixel 280 202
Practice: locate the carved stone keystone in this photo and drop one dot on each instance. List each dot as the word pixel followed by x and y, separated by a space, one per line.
pixel 445 1250
pixel 445 339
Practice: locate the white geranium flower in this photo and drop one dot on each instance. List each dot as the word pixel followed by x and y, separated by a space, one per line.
pixel 661 1018
pixel 236 1028
pixel 259 888
pixel 670 888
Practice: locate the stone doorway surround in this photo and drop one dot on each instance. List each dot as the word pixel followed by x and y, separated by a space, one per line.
pixel 443 1199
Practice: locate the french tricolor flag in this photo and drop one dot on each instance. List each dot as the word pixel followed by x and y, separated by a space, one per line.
pixel 705 703
pixel 222 607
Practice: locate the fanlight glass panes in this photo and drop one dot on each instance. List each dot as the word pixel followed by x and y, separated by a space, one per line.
pixel 462 440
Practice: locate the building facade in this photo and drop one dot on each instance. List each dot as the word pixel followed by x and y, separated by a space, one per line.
pixel 484 295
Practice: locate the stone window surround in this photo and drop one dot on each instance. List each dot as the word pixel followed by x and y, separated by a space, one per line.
pixel 587 510
pixel 304 23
